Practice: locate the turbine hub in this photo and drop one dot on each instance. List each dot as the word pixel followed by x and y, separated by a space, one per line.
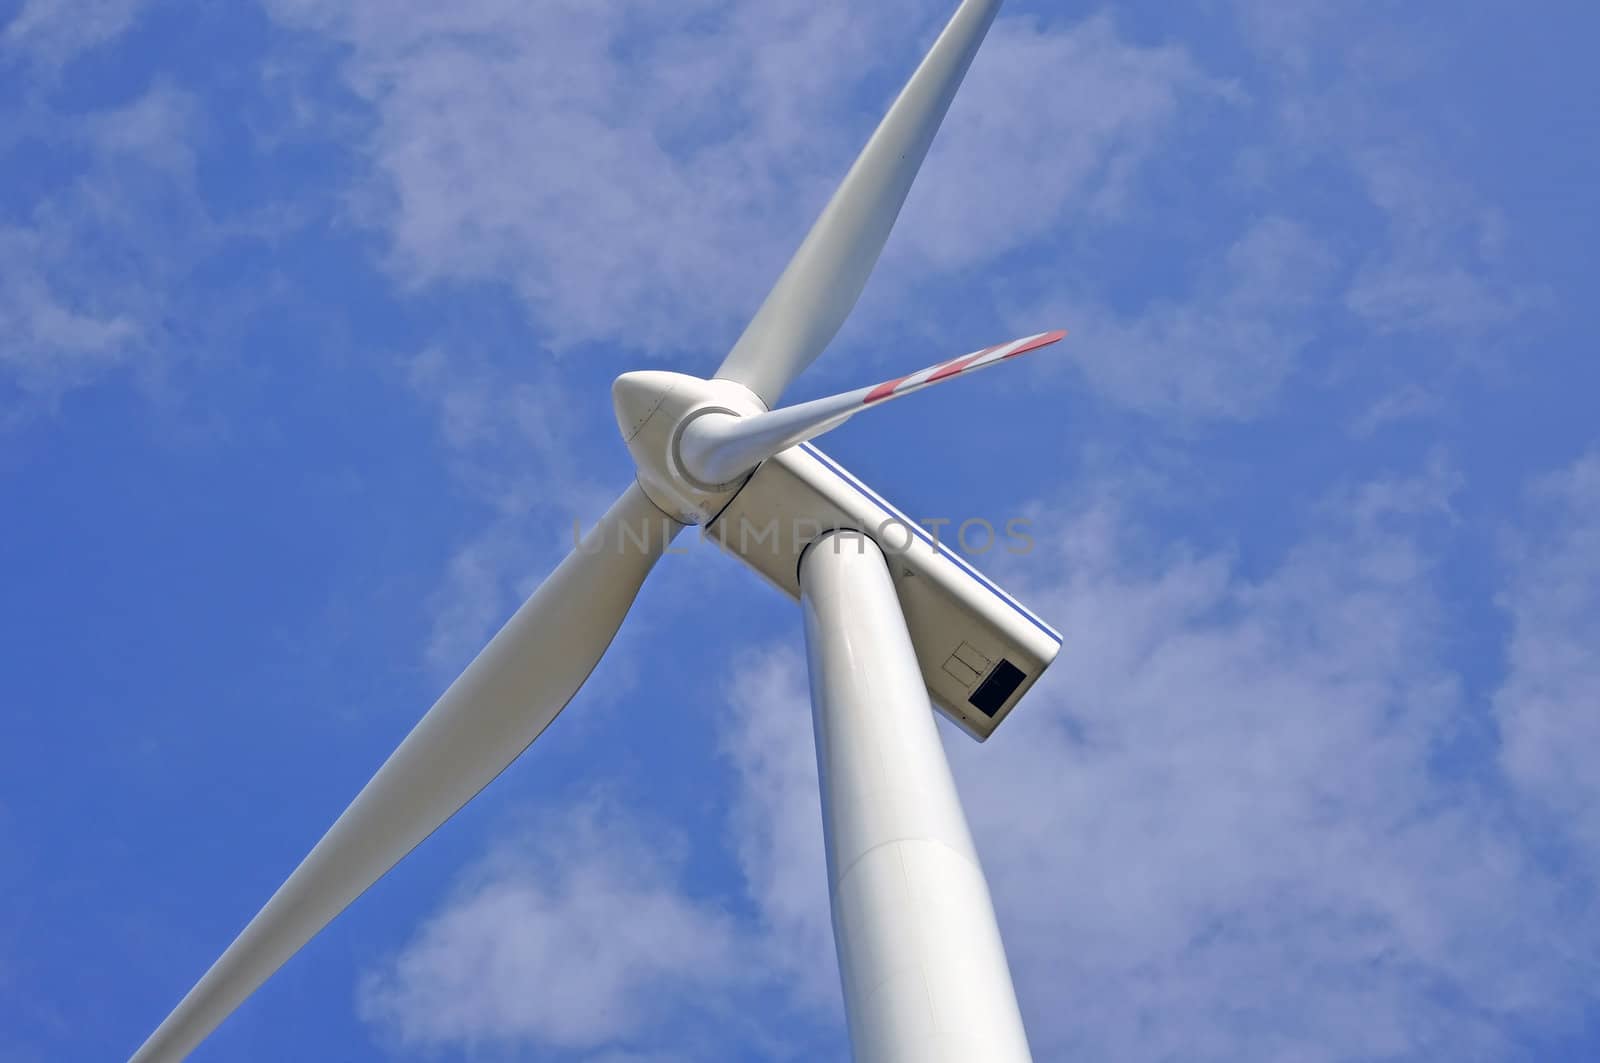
pixel 652 408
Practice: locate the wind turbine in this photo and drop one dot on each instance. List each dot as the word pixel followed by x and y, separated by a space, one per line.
pixel 894 623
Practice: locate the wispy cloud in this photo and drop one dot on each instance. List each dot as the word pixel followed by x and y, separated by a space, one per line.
pixel 508 431
pixel 85 282
pixel 576 936
pixel 777 820
pixel 1224 350
pixel 1225 827
pixel 1549 706
pixel 1440 272
pixel 1228 826
pixel 48 33
pixel 1340 237
pixel 1003 176
pixel 640 177
pixel 1346 82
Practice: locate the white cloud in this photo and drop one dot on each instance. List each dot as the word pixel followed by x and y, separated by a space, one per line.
pixel 1226 349
pixel 1438 273
pixel 1287 32
pixel 1223 828
pixel 1347 78
pixel 1233 821
pixel 564 150
pixel 1407 403
pixel 51 344
pixel 640 176
pixel 1050 126
pixel 85 278
pixel 578 936
pixel 1549 704
pixel 51 32
pixel 510 433
pixel 777 820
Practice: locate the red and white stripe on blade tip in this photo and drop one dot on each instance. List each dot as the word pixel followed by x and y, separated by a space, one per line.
pixel 976 360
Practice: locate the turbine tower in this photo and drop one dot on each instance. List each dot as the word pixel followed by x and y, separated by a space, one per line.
pixel 895 625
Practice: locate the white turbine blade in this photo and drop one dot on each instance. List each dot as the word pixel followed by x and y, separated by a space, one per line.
pixel 488 716
pixel 719 448
pixel 822 282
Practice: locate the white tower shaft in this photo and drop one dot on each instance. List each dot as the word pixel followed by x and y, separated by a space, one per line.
pixel 923 968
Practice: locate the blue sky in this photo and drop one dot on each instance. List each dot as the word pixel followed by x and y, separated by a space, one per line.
pixel 308 313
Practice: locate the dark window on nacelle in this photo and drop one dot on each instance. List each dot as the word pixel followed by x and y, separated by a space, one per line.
pixel 995 690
